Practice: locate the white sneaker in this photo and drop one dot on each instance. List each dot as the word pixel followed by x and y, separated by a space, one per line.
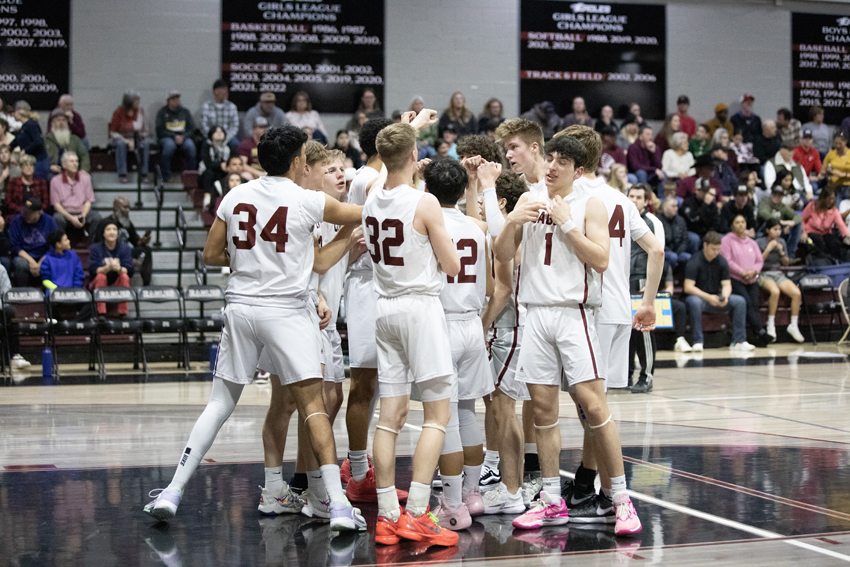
pixel 532 484
pixel 286 502
pixel 742 347
pixel 792 330
pixel 697 347
pixel 770 330
pixel 682 345
pixel 500 501
pixel 315 508
pixel 19 361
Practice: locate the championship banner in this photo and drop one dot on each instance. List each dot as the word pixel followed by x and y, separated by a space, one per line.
pixel 820 65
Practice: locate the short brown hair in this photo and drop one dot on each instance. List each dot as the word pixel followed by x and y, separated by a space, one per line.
pixel 333 156
pixel 647 191
pixel 712 237
pixel 395 143
pixel 315 152
pixel 510 187
pixel 294 104
pixel 527 131
pixel 477 145
pixel 591 141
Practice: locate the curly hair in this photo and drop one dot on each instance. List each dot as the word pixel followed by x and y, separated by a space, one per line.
pixel 510 187
pixel 478 145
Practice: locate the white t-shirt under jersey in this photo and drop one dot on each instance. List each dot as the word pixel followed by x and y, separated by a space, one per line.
pixel 402 259
pixel 357 196
pixel 270 224
pixel 466 291
pixel 624 226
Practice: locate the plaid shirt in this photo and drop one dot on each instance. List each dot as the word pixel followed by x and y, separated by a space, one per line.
pixel 791 133
pixel 226 117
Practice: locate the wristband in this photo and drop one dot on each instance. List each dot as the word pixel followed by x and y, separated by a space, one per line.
pixel 568 226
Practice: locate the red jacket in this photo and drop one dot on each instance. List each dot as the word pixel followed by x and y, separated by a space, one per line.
pixel 810 160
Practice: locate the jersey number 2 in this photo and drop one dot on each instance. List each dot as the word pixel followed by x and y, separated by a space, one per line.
pixel 617 225
pixel 274 231
pixel 463 277
pixel 396 240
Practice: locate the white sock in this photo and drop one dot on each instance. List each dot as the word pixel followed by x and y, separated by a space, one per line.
pixel 794 319
pixel 470 478
pixel 316 485
pixel 618 485
pixel 491 459
pixel 606 492
pixel 333 485
pixel 388 503
pixel 771 320
pixel 517 494
pixel 417 498
pixel 274 479
pixel 452 490
pixel 552 487
pixel 359 464
pixel 531 448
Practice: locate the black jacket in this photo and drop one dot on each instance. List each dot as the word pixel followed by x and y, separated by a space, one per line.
pixel 699 217
pixel 730 211
pixel 675 233
pixel 766 148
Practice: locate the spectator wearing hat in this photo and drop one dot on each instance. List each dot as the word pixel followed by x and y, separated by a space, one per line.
pixel 128 131
pixel 700 212
pixel 774 208
pixel 742 205
pixel 643 159
pixel 174 129
pixel 301 114
pixel 29 139
pixel 72 196
pixel 808 156
pixel 543 113
pixel 611 152
pixel 28 234
pixel 687 124
pixel 248 147
pixel 820 131
pixel 784 158
pixel 837 162
pixel 61 139
pixel 268 109
pixel 19 189
pixel 720 120
pixel 703 177
pixel 110 264
pixel 579 115
pixel 75 121
pixel 767 143
pixel 61 267
pixel 221 112
pixel 746 121
pixel 789 127
pixel 723 172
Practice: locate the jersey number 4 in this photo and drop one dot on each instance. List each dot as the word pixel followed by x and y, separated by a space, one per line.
pixel 463 277
pixel 376 246
pixel 274 231
pixel 617 225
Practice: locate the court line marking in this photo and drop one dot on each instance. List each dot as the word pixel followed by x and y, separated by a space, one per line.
pixel 726 522
pixel 656 398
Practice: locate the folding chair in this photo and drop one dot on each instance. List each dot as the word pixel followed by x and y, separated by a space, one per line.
pixel 205 322
pixel 60 299
pixel 122 326
pixel 160 295
pixel 817 282
pixel 844 298
pixel 31 319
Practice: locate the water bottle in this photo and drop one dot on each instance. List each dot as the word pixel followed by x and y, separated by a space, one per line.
pixel 47 363
pixel 213 355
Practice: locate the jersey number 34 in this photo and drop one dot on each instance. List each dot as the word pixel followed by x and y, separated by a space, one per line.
pixel 274 231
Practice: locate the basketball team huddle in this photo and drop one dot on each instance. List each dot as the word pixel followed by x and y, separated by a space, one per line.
pixel 488 285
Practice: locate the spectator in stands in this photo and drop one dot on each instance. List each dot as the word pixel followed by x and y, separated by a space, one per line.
pixel 8 169
pixel 741 205
pixel 7 113
pixel 774 208
pixel 605 120
pixel 611 152
pixel 75 121
pixel 543 113
pixel 723 172
pixel 767 144
pixel 215 155
pixel 141 252
pixel 704 176
pixel 343 144
pixel 809 158
pixel 677 162
pixel 450 137
pixel 746 121
pixel 5 248
pixel 29 139
pixel 664 139
pixel 708 286
pixel 784 159
pixel 248 148
pixel 441 149
pixel 678 245
pixel 219 187
pixel 17 361
pixel 837 163
pixel 634 111
pixel 687 124
pixel 700 144
pixel 72 196
pixel 128 131
pixel 619 179
pixel 28 234
pixel 369 106
pixel 643 158
pixel 745 262
pixel 61 267
pixel 774 281
pixel 820 131
pixel 826 228
pixel 301 113
pixel 720 121
pixel 722 138
pixel 221 112
pixel 60 139
pixel 6 137
pixel 789 128
pixel 19 189
pixel 459 116
pixel 700 211
pixel 489 120
pixel 744 151
pixel 629 132
pixel 110 264
pixel 174 129
pixel 579 114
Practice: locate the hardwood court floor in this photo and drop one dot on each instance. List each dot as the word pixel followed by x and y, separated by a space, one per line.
pixel 731 461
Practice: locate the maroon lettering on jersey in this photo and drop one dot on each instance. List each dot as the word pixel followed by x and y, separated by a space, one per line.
pixel 376 246
pixel 544 218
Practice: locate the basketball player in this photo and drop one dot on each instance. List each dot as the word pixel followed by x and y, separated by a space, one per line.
pixel 614 319
pixel 268 307
pixel 462 299
pixel 406 237
pixel 565 250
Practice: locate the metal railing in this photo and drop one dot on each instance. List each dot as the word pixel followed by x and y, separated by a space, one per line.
pixel 180 229
pixel 136 139
pixel 200 269
pixel 159 194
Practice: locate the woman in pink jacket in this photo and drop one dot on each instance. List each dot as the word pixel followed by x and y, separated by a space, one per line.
pixel 825 227
pixel 745 262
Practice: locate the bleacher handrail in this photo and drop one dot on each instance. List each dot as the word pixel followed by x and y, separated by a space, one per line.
pixel 159 194
pixel 180 229
pixel 200 268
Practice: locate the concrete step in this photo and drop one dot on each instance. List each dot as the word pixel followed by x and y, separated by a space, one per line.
pixel 147 217
pixel 170 278
pixel 167 260
pixel 131 187
pixel 171 197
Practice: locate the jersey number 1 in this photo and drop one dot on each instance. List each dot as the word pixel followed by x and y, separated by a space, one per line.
pixel 274 231
pixel 617 225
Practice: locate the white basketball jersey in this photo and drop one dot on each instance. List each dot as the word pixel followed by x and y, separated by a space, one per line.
pixel 270 225
pixel 331 283
pixel 357 196
pixel 466 291
pixel 624 226
pixel 552 274
pixel 513 314
pixel 402 259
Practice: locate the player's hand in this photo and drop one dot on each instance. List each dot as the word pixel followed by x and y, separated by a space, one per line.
pixel 644 319
pixel 527 212
pixel 425 118
pixel 488 172
pixel 559 210
pixel 407 117
pixel 324 313
pixel 357 242
pixel 421 165
pixel 471 164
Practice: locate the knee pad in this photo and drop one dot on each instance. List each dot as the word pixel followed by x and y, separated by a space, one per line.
pixel 436 389
pixel 603 424
pixel 539 427
pixel 385 428
pixel 470 432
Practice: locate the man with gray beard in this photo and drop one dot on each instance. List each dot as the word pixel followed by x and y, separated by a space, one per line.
pixel 60 139
pixel 142 254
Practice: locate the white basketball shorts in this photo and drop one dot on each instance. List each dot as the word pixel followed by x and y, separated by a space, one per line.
pixel 334 362
pixel 614 353
pixel 469 356
pixel 361 311
pixel 505 343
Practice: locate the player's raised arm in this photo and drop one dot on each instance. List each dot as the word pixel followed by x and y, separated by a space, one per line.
pixel 341 213
pixel 430 216
pixel 508 241
pixel 215 248
pixel 593 245
pixel 488 172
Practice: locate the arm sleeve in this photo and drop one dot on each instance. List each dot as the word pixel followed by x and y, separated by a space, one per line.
pixel 492 214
